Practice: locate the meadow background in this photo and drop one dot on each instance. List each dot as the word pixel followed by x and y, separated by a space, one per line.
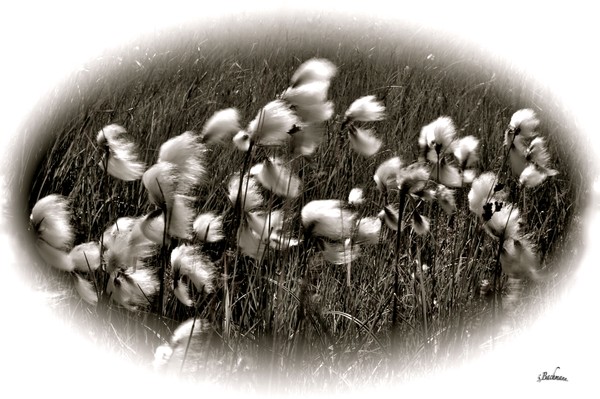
pixel 160 89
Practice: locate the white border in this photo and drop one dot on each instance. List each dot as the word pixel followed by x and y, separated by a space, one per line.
pixel 43 41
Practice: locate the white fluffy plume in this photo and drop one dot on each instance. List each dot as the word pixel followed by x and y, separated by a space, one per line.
pixel 524 122
pixel 122 160
pixel 117 230
pixel 390 216
pixel 187 260
pixel 534 175
pixel 308 94
pixel 387 173
pixel 86 257
pixel 152 227
pixel 269 227
pixel 50 219
pixel 519 259
pixel 180 217
pixel 446 174
pixel 133 290
pixel 365 109
pixel 482 190
pixel 209 227
pixel 307 139
pixel 85 289
pixel 368 230
pixel 275 176
pixel 356 197
pixel 436 138
pixel 364 141
pixel 126 244
pixel 420 223
pixel 315 113
pixel 187 154
pixel 54 257
pixel 250 197
pixel 221 126
pixel 241 140
pixel 313 70
pixel 328 218
pixel 272 124
pixel 465 151
pixel 160 181
pixel 504 222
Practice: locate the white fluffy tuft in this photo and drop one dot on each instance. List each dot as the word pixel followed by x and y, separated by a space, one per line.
pixel 365 109
pixel 221 126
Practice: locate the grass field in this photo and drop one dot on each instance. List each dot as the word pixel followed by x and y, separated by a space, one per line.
pixel 289 323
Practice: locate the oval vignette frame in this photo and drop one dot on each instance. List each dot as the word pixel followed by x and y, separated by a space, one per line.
pixel 558 346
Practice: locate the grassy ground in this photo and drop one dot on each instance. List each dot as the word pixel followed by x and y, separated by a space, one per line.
pixel 160 88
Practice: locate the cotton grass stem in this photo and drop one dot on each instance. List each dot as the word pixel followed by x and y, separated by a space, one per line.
pixel 395 316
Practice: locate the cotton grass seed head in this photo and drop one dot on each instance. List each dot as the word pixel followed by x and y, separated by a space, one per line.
pixel 86 257
pixel 51 221
pixel 368 230
pixel 412 178
pixel 365 109
pixel 390 216
pixel 56 258
pixel 251 197
pixel 436 138
pixel 386 174
pixel 133 290
pixel 209 227
pixel 363 141
pixel 189 341
pixel 481 191
pixel 315 113
pixel 85 289
pixel 180 217
pixel 445 198
pixel 523 123
pixel 465 151
pixel 152 227
pixel 504 222
pixel 356 197
pixel 187 260
pixel 328 218
pixel 122 161
pixel 534 175
pixel 313 70
pixel 308 94
pixel 446 174
pixel 242 140
pixel 187 154
pixel 537 152
pixel 275 176
pixel 272 124
pixel 419 223
pixel 307 139
pixel 160 181
pixel 221 126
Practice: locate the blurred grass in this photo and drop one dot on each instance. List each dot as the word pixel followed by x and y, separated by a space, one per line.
pixel 159 87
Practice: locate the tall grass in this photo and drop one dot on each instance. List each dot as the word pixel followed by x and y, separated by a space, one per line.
pixel 293 317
